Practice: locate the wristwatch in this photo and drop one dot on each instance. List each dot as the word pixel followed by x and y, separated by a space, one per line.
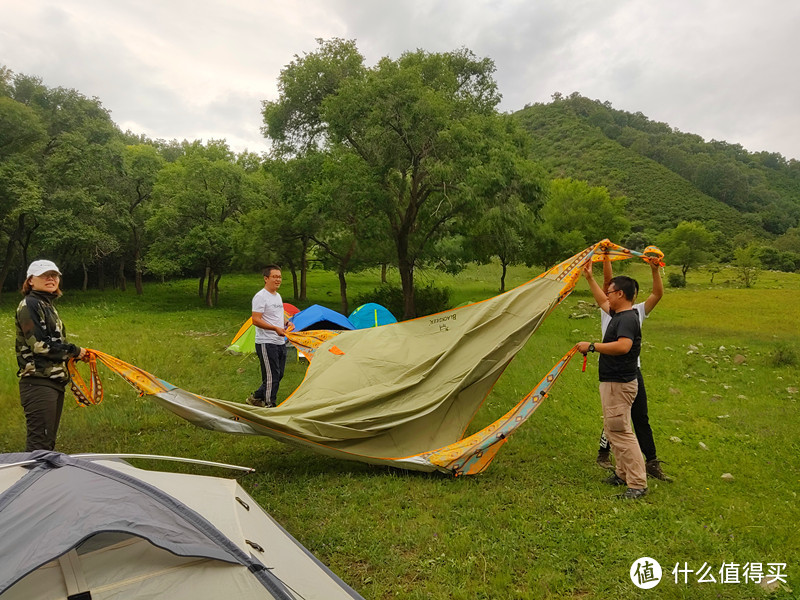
pixel 591 347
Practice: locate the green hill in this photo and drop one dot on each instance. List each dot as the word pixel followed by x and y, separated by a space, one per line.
pixel 668 176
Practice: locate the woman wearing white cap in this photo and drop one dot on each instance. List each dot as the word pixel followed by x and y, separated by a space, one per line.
pixel 42 352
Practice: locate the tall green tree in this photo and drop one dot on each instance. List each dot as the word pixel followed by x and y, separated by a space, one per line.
pixel 514 191
pixel 72 165
pixel 575 216
pixel 294 122
pixel 345 202
pixel 198 203
pixel 141 164
pixel 688 245
pixel 420 124
pixel 22 138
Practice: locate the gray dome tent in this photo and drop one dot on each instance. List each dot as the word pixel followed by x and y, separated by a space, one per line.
pixel 82 528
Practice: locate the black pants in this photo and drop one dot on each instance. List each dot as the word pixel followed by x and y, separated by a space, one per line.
pixel 641 423
pixel 273 361
pixel 42 405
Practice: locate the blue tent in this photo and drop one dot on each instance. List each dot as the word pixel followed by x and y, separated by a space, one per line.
pixel 371 315
pixel 319 317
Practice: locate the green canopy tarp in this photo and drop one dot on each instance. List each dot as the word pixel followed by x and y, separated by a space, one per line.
pixel 404 393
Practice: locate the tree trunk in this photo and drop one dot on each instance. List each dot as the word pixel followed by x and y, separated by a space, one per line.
pixel 406 268
pixel 216 288
pixel 7 263
pixel 303 270
pixel 209 277
pixel 202 285
pixel 295 289
pixel 503 278
pixel 407 281
pixel 24 243
pixel 343 292
pixel 383 272
pixel 85 285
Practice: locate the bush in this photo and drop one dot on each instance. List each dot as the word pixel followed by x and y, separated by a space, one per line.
pixel 676 280
pixel 784 355
pixel 429 299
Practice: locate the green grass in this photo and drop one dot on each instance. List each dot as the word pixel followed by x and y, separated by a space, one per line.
pixel 538 523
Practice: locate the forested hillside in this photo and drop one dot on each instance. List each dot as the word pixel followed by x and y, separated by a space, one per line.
pixel 367 170
pixel 668 176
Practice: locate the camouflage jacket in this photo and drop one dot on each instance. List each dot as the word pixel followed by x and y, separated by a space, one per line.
pixel 42 348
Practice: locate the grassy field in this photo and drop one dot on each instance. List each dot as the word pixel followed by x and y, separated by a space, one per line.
pixel 721 365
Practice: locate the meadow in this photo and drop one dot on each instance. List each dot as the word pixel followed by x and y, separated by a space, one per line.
pixel 721 366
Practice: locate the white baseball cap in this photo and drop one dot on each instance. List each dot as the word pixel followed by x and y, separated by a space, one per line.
pixel 40 267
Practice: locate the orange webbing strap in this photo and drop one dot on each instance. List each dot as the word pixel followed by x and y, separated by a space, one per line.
pixel 86 395
pixel 144 382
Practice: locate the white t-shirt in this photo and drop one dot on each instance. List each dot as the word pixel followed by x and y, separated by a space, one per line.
pixel 605 319
pixel 271 308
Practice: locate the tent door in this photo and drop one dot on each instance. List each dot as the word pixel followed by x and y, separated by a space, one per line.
pixel 75 580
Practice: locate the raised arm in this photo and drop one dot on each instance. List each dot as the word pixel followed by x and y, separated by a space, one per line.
pixel 599 295
pixel 658 289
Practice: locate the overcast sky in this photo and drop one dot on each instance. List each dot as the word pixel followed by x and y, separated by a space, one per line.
pixel 199 69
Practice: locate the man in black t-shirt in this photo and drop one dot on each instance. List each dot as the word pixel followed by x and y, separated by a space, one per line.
pixel 619 354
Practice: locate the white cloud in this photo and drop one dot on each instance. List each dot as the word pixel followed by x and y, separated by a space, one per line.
pixel 196 70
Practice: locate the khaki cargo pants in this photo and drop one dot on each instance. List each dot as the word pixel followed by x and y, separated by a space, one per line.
pixel 617 399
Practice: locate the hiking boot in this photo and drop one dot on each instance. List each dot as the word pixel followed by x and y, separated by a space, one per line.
pixel 604 459
pixel 633 494
pixel 269 405
pixel 614 479
pixel 253 401
pixel 653 468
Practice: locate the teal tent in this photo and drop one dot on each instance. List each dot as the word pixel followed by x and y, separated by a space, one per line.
pixel 371 315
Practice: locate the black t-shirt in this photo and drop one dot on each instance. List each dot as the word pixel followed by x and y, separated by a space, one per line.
pixel 622 368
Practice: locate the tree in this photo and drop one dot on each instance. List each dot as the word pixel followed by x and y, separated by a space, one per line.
pixel 293 122
pixel 513 190
pixel 420 124
pixel 344 200
pixel 199 200
pixel 747 264
pixel 714 268
pixel 503 232
pixel 299 218
pixel 141 166
pixel 789 241
pixel 687 245
pixel 75 162
pixel 574 216
pixel 22 137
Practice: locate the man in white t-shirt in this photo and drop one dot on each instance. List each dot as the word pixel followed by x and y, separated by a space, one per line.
pixel 639 414
pixel 268 318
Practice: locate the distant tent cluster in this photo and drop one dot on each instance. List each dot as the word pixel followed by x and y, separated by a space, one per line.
pixel 401 394
pixel 315 318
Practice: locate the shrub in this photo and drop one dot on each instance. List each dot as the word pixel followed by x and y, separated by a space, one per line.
pixel 676 280
pixel 784 355
pixel 429 299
